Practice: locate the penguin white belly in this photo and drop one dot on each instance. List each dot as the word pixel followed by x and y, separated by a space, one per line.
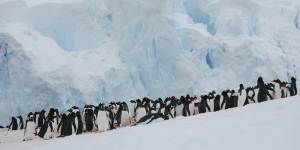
pixel 277 90
pixel 242 99
pixel 255 96
pixel 125 119
pixel 140 113
pixel 29 131
pixel 131 107
pixel 192 108
pixel 36 120
pixel 179 109
pixel 55 126
pixel 103 121
pixel 211 105
pixel 48 135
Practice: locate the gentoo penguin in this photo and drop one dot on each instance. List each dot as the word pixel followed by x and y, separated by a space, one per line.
pixel 103 119
pixel 186 105
pixel 46 131
pixel 210 101
pixel 234 99
pixel 140 111
pixel 242 97
pixel 151 118
pixel 179 108
pixel 29 132
pixel 67 126
pixel 122 115
pixel 89 119
pixel 41 119
pixel 20 122
pixel 1 127
pixel 202 105
pixel 79 123
pixel 13 125
pixel 131 108
pixel 250 96
pixel 262 90
pixel 226 100
pixel 217 103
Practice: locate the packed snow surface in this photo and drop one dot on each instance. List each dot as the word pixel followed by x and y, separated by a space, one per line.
pixel 61 53
pixel 272 125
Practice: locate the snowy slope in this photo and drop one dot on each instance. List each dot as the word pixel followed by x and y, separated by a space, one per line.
pixel 266 126
pixel 62 53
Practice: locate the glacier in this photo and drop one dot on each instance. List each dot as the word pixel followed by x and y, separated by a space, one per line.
pixel 59 53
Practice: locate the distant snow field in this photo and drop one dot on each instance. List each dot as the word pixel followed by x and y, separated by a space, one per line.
pixel 272 125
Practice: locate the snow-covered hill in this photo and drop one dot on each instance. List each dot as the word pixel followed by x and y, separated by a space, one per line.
pixel 273 125
pixel 61 52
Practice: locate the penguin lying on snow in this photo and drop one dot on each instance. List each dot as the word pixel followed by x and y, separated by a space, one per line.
pixel 150 118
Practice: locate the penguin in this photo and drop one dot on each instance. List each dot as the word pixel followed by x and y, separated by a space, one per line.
pixel 140 111
pixel 131 108
pixel 35 117
pixel 217 104
pixel 151 118
pixel 202 105
pixel 242 97
pixel 13 125
pixel 263 92
pixel 79 123
pixel 103 119
pixel 67 125
pixel 41 119
pixel 29 132
pixel 250 96
pixel 20 122
pixel 46 131
pixel 234 99
pixel 186 105
pixel 1 127
pixel 210 101
pixel 226 100
pixel 179 108
pixel 125 117
pixel 89 119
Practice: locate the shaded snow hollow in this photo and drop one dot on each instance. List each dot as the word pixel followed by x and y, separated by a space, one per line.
pixel 272 125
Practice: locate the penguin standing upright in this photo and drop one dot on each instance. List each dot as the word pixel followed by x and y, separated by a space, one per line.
pixel 29 132
pixel 202 105
pixel 217 104
pixel 125 117
pixel 210 101
pixel 262 90
pixel 79 124
pixel 103 119
pixel 41 120
pixel 293 87
pixel 89 119
pixel 13 124
pixel 20 122
pixel 234 99
pixel 226 100
pixel 242 97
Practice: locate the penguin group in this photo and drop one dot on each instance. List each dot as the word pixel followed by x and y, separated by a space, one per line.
pixel 104 117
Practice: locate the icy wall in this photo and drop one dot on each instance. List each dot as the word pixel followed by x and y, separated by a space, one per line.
pixel 64 52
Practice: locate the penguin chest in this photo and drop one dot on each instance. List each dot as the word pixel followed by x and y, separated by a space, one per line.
pixel 242 99
pixel 103 121
pixel 179 109
pixel 125 119
pixel 211 105
pixel 140 112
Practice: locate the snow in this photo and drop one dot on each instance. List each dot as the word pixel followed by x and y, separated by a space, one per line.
pixel 66 52
pixel 269 125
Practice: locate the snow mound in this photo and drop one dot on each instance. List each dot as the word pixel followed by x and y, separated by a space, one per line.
pixel 269 125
